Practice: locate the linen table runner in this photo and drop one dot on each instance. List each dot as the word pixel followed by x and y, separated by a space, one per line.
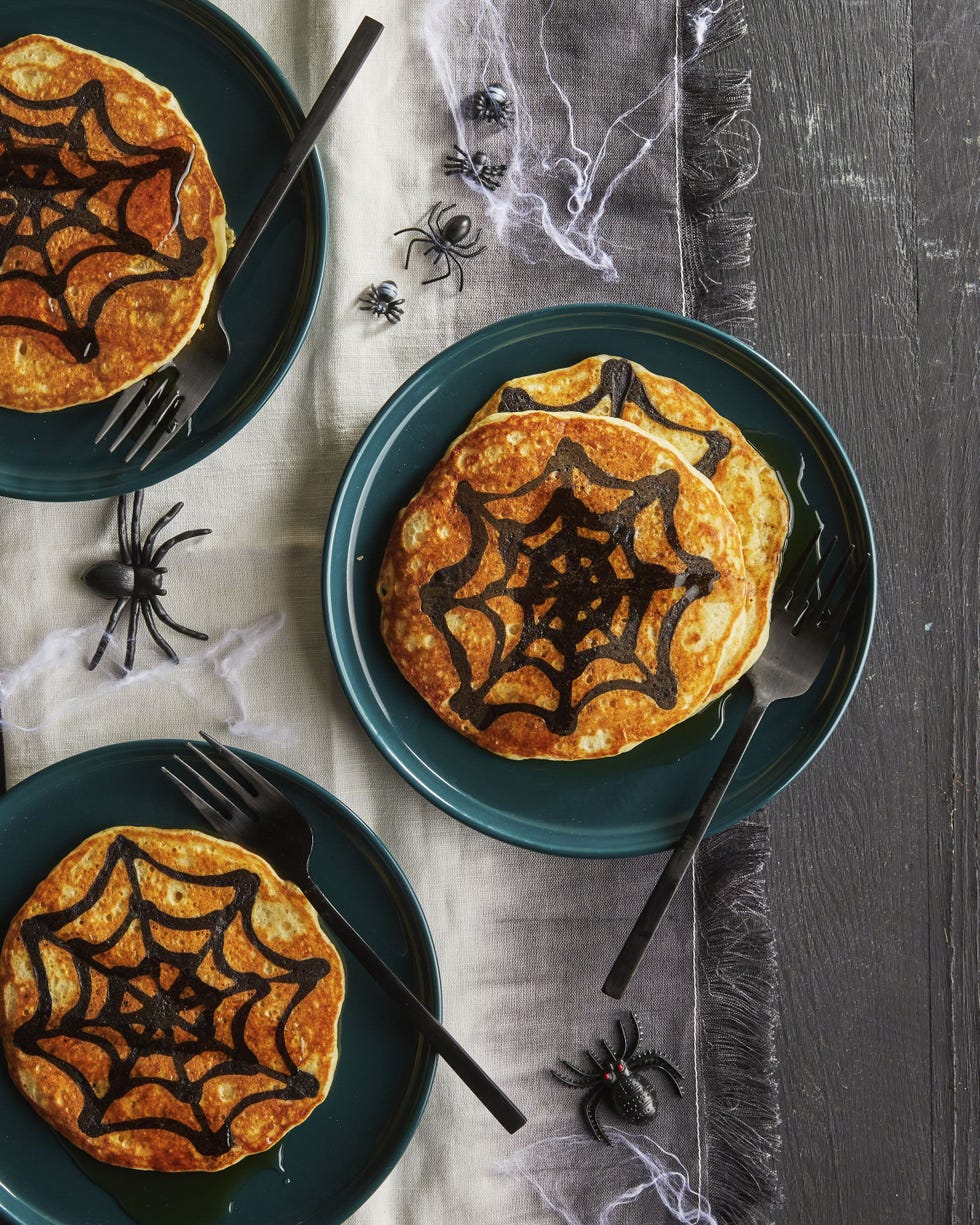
pixel 626 95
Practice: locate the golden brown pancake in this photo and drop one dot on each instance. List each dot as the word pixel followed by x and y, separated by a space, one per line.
pixel 750 489
pixel 168 1002
pixel 112 226
pixel 562 586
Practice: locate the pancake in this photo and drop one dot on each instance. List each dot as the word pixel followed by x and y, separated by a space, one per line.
pixel 168 1002
pixel 112 226
pixel 750 489
pixel 562 586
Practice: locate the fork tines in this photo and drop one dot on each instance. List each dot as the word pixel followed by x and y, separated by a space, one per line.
pixel 153 404
pixel 811 604
pixel 223 815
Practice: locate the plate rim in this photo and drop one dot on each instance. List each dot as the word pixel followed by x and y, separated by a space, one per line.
pixel 426 1077
pixel 312 177
pixel 332 550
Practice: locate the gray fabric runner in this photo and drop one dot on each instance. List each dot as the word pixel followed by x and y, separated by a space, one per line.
pixel 523 939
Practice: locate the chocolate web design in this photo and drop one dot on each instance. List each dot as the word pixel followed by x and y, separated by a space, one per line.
pixel 620 382
pixel 50 183
pixel 161 1005
pixel 582 590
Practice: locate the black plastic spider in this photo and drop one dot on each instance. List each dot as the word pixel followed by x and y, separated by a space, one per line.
pixel 382 301
pixel 476 168
pixel 618 1079
pixel 446 239
pixel 493 105
pixel 137 578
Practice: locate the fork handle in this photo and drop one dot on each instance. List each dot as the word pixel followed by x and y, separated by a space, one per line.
pixel 438 1037
pixel 347 68
pixel 625 965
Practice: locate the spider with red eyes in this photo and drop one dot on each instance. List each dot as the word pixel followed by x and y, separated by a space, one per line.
pixel 618 1079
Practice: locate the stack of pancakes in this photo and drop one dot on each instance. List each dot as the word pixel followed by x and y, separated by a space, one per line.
pixel 168 1002
pixel 112 226
pixel 591 562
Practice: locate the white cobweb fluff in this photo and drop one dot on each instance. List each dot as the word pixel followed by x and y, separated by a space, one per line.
pixel 586 1183
pixel 67 652
pixel 570 162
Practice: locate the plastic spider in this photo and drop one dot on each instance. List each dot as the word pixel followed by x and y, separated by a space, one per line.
pixel 476 168
pixel 137 579
pixel 446 239
pixel 383 302
pixel 617 1079
pixel 493 105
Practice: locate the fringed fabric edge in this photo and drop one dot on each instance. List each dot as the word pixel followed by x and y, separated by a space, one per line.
pixel 739 1008
pixel 718 157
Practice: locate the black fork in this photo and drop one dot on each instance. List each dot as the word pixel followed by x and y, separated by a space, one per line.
pixel 264 821
pixel 804 628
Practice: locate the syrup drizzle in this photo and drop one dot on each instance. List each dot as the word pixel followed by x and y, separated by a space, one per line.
pixel 584 593
pixel 620 382
pixel 162 1005
pixel 49 180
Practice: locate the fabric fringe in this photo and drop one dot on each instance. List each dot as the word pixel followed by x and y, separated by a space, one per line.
pixel 719 157
pixel 739 1007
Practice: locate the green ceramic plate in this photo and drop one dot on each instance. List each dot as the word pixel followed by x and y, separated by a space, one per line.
pixel 324 1169
pixel 246 113
pixel 638 802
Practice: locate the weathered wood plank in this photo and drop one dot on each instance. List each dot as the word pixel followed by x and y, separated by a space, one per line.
pixel 947 145
pixel 835 262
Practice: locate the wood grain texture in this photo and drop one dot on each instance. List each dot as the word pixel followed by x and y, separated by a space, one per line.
pixel 867 265
pixel 947 152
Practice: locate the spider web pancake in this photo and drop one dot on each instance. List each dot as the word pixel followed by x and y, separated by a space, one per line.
pixel 112 226
pixel 562 586
pixel 748 486
pixel 168 1002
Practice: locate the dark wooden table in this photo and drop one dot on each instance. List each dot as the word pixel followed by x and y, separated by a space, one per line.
pixel 868 263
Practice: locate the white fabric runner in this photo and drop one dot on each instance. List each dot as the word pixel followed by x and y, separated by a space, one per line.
pixel 515 986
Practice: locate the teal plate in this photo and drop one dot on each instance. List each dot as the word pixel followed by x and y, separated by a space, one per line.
pixel 329 1165
pixel 246 114
pixel 638 802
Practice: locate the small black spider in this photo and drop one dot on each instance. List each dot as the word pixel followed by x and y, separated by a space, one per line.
pixel 475 167
pixel 382 301
pixel 493 105
pixel 137 577
pixel 445 239
pixel 618 1079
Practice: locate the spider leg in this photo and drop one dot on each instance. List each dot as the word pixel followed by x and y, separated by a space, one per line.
pixel 408 253
pixel 459 269
pixel 637 1037
pixel 623 1044
pixel 608 1049
pixel 167 545
pixel 158 527
pixel 448 209
pixel 584 1078
pixel 595 1061
pixel 430 279
pixel 134 528
pixel 465 246
pixel 124 554
pixel 174 625
pixel 157 637
pixel 134 623
pixel 588 1113
pixel 107 633
pixel 653 1059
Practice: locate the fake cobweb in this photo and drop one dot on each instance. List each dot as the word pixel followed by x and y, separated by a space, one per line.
pixel 572 580
pixel 621 1183
pixel 63 204
pixel 571 161
pixel 53 682
pixel 158 1035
